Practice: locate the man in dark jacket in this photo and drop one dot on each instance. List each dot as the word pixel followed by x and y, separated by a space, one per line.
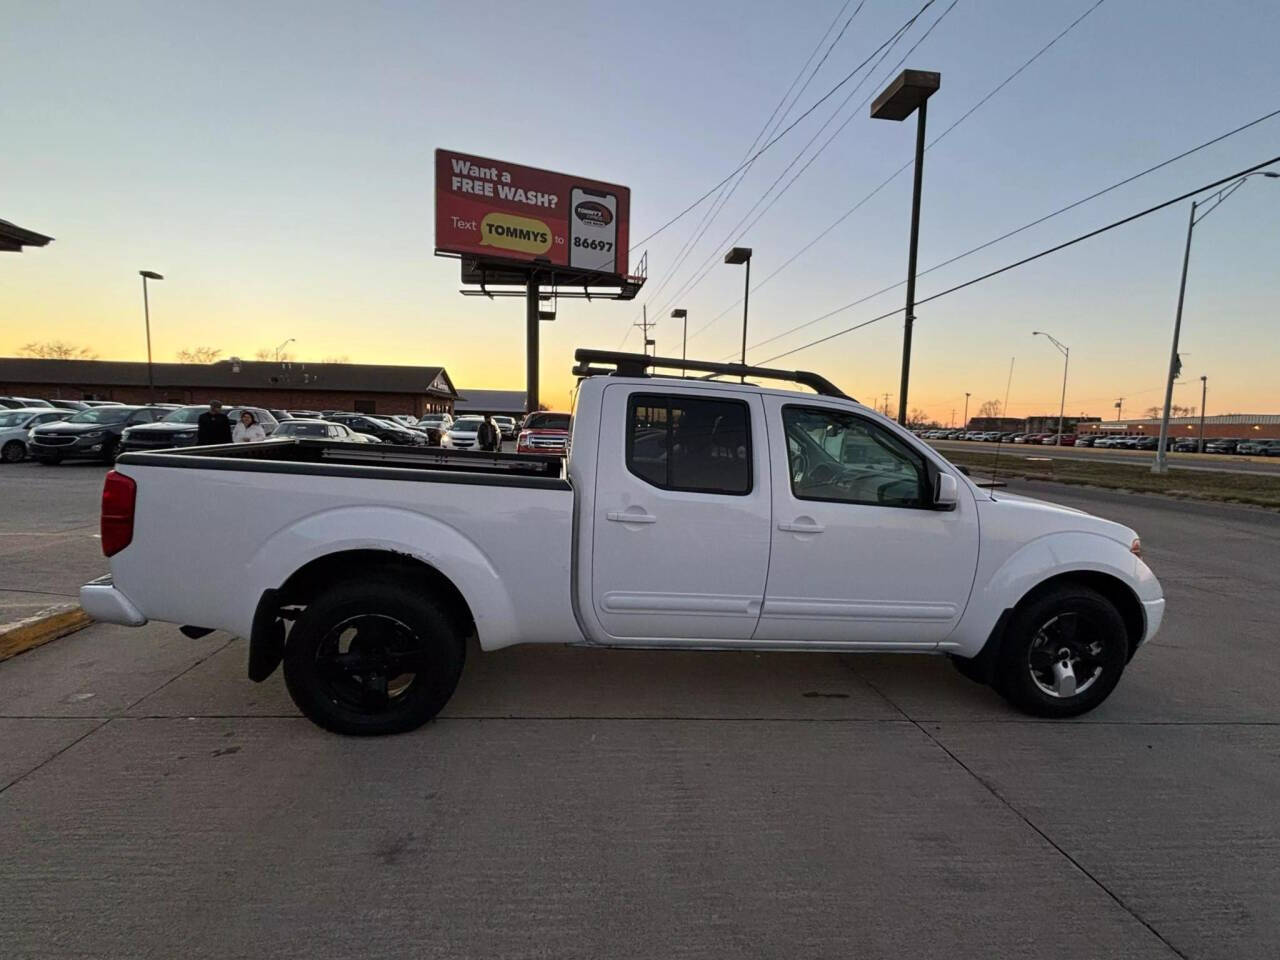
pixel 489 436
pixel 213 426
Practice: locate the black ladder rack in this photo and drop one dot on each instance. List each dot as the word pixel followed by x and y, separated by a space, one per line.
pixel 639 365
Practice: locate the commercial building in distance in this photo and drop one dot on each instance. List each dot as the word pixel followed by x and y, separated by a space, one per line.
pixel 364 388
pixel 1241 426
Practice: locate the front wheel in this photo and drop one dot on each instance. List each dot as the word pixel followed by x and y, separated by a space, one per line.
pixel 14 452
pixel 372 658
pixel 1063 653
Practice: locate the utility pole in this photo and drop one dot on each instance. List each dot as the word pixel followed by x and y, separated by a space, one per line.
pixel 1204 393
pixel 886 404
pixel 1007 386
pixel 965 424
pixel 1119 409
pixel 953 417
pixel 644 325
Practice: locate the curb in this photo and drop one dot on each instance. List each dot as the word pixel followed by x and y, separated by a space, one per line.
pixel 42 628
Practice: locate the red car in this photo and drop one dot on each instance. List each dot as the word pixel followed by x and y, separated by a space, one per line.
pixel 544 432
pixel 1068 440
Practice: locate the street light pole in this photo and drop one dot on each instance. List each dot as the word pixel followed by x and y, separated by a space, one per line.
pixel 1161 462
pixel 1204 393
pixel 742 255
pixel 146 312
pixel 682 315
pixel 909 92
pixel 282 346
pixel 965 424
pixel 1066 354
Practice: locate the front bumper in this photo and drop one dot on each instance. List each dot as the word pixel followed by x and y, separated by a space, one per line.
pixel 78 447
pixel 102 601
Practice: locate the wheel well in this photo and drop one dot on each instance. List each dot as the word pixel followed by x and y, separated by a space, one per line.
pixel 307 582
pixel 1114 589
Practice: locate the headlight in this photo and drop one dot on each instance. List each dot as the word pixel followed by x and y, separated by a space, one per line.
pixel 523 439
pixel 93 435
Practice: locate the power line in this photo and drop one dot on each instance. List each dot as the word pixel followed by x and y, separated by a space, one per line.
pixel 1026 226
pixel 722 198
pixel 1026 260
pixel 791 126
pixel 739 230
pixel 893 176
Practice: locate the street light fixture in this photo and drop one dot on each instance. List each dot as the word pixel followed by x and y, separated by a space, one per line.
pixel 282 346
pixel 1161 462
pixel 965 425
pixel 146 311
pixel 735 256
pixel 909 92
pixel 1066 354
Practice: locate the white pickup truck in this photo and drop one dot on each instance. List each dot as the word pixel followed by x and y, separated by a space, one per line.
pixel 689 514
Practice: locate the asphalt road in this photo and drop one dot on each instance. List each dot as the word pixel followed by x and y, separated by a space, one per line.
pixel 583 803
pixel 1211 463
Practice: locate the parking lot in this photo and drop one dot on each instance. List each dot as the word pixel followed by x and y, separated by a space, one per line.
pixel 575 802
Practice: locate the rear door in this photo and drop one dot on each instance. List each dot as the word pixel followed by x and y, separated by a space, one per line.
pixel 859 556
pixel 681 520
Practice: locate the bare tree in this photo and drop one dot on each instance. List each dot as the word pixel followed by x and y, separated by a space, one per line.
pixel 56 350
pixel 269 353
pixel 199 354
pixel 1175 410
pixel 991 408
pixel 339 358
pixel 917 418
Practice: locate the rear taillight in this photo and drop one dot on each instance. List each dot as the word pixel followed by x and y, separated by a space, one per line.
pixel 119 493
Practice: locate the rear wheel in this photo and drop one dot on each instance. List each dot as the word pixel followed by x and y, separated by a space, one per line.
pixel 1063 653
pixel 372 658
pixel 14 451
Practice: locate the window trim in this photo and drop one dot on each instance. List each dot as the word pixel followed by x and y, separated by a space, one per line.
pixel 923 466
pixel 639 398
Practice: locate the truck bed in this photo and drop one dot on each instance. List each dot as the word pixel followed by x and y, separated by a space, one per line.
pixel 372 461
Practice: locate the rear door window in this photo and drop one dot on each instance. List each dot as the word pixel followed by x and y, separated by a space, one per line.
pixel 686 443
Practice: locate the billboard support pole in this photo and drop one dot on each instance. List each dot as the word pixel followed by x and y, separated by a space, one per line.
pixel 531 343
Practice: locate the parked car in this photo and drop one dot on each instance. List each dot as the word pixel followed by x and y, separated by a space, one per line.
pixel 280 415
pixel 441 421
pixel 508 426
pixel 304 414
pixel 681 495
pixel 1187 445
pixel 384 430
pixel 179 428
pixel 23 403
pixel 462 435
pixel 544 432
pixel 1029 438
pixel 94 433
pixel 1052 440
pixel 1087 440
pixel 1259 448
pixel 321 430
pixel 68 404
pixel 1222 445
pixel 404 419
pixel 102 403
pixel 15 423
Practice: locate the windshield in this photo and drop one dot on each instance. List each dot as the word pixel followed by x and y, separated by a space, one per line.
pixel 547 421
pixel 102 415
pixel 295 428
pixel 185 415
pixel 12 418
pixel 468 423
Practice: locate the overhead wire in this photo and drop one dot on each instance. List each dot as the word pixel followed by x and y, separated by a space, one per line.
pixel 1026 226
pixel 906 166
pixel 1022 262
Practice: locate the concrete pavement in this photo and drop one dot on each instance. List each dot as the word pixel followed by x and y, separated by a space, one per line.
pixel 572 802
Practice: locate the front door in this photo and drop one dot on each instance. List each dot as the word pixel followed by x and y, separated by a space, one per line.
pixel 858 554
pixel 681 521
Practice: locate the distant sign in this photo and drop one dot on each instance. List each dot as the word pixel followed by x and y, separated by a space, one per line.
pixel 500 212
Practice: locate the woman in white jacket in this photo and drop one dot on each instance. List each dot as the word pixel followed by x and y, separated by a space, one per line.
pixel 248 430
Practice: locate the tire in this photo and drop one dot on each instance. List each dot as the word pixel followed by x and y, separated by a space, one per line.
pixel 1068 624
pixel 15 451
pixel 109 451
pixel 372 658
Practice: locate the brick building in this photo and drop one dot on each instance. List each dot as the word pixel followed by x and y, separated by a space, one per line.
pixel 1241 426
pixel 365 388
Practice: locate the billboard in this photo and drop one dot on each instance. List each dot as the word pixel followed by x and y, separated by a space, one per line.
pixel 502 212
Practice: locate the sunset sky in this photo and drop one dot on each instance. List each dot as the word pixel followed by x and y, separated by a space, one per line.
pixel 274 162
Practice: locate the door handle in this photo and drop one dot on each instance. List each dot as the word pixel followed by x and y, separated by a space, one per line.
pixel 625 516
pixel 809 526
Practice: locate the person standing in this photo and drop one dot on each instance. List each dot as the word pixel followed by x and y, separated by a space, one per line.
pixel 248 430
pixel 489 436
pixel 213 425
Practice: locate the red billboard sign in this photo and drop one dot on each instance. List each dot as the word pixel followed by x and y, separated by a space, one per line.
pixel 502 212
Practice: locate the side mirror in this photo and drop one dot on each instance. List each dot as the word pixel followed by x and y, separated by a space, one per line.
pixel 945 492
